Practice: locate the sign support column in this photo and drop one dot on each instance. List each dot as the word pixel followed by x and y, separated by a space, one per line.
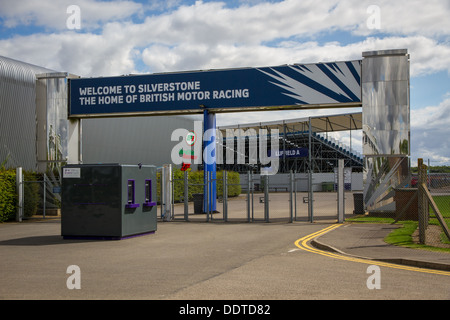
pixel 340 191
pixel 209 161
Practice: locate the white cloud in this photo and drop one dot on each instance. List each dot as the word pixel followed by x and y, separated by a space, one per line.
pixel 254 22
pixel 411 18
pixel 427 55
pixel 432 116
pixel 209 35
pixel 53 14
pixel 429 133
pixel 82 54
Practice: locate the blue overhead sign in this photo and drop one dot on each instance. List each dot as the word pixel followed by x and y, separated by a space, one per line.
pixel 336 83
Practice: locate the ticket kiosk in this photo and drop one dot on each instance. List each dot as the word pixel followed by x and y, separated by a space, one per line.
pixel 109 201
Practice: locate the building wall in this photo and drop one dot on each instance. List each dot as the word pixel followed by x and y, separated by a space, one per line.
pixel 18 112
pixel 133 140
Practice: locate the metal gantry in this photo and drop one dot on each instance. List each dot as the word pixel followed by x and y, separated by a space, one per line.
pixel 304 144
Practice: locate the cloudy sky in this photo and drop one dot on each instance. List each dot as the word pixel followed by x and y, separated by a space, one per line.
pixel 106 38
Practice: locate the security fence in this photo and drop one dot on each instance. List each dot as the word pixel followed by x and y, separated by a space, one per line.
pixel 426 202
pixel 41 196
pixel 433 207
pixel 253 197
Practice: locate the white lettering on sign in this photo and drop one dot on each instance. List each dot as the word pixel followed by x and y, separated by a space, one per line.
pixel 154 93
pixel 230 94
pixel 90 91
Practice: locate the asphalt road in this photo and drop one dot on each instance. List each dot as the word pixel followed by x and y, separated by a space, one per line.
pixel 195 260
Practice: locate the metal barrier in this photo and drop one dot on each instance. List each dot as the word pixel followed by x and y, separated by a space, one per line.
pixel 433 202
pixel 39 197
pixel 263 199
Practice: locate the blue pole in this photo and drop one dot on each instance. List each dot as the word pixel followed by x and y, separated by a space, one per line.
pixel 209 160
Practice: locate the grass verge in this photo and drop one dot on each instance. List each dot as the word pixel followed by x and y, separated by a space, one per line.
pixel 401 236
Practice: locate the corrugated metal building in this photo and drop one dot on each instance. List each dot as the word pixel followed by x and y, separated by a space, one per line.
pixel 18 112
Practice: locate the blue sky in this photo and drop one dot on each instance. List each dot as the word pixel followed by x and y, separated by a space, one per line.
pixel 121 37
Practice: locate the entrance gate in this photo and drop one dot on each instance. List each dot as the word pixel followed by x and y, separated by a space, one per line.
pixel 379 83
pixel 262 199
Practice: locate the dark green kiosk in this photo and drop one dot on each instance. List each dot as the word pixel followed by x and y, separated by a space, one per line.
pixel 108 201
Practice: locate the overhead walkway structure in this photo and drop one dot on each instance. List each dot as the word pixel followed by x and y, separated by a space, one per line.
pixel 305 144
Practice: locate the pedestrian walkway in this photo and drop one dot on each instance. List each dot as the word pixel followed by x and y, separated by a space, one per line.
pixel 365 240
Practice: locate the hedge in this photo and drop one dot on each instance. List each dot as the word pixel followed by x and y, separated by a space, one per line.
pixel 195 179
pixel 8 197
pixel 8 194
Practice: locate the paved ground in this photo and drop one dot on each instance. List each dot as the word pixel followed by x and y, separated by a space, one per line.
pixel 157 266
pixel 365 240
pixel 216 260
pixel 325 207
pixel 189 260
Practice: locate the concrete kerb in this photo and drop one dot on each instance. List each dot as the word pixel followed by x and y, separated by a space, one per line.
pixel 400 261
pixel 326 247
pixel 417 263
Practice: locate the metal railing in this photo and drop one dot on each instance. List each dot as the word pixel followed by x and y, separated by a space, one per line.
pixel 269 202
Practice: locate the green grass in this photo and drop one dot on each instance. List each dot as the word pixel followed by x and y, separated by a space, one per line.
pixel 370 219
pixel 401 236
pixel 443 204
pixel 435 221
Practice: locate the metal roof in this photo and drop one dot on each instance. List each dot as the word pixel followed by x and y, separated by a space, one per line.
pixel 20 71
pixel 330 123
